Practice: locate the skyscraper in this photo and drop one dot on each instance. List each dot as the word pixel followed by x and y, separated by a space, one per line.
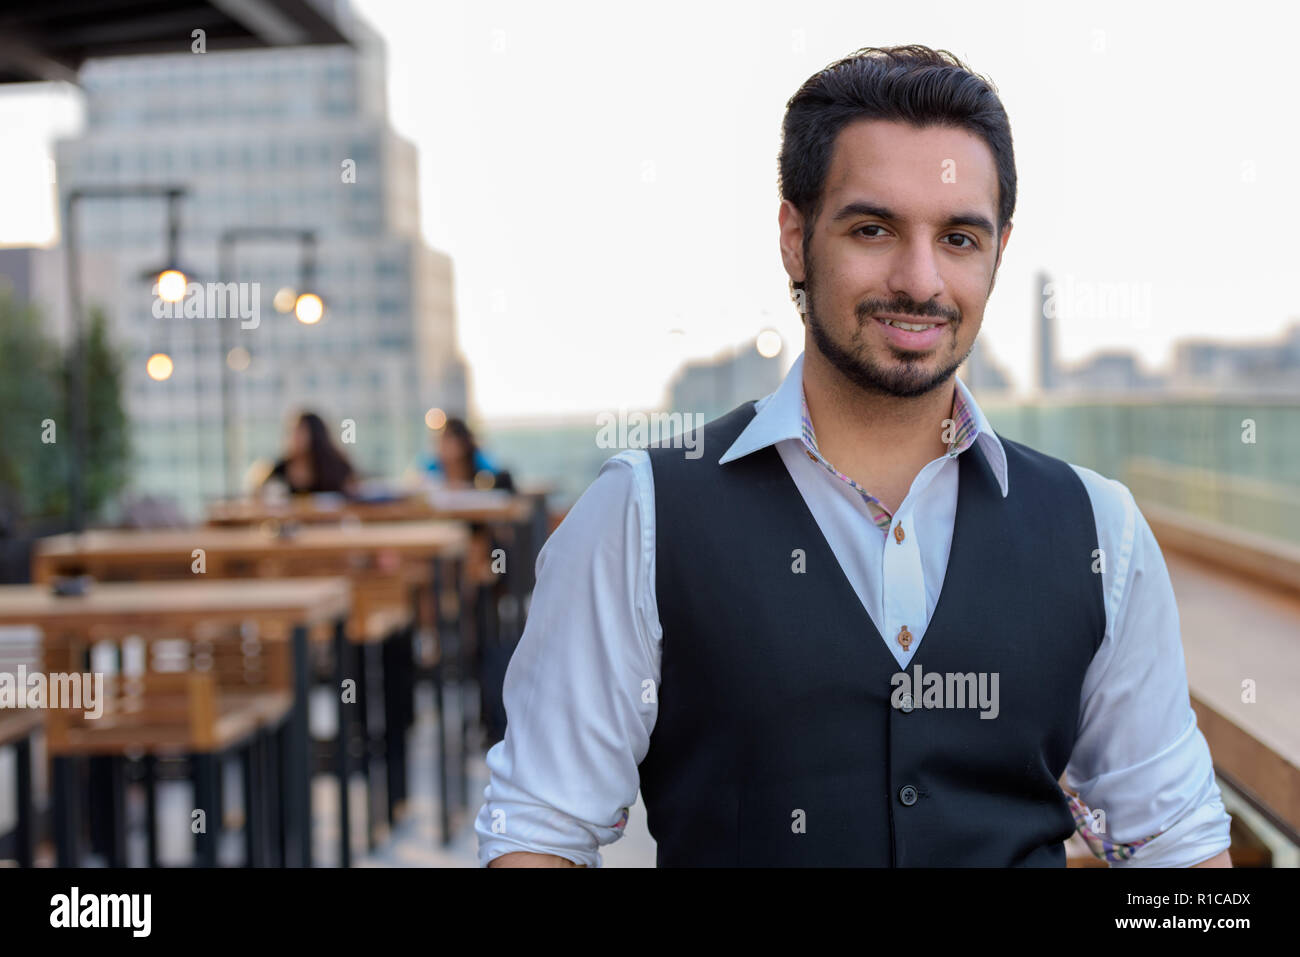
pixel 293 138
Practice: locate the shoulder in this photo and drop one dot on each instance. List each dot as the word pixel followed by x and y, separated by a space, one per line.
pixel 1114 510
pixel 1112 502
pixel 691 450
pixel 1109 497
pixel 623 487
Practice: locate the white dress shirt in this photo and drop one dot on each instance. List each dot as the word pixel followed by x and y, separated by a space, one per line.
pixel 579 722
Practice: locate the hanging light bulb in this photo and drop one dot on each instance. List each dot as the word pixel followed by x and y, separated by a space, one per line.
pixel 309 309
pixel 172 285
pixel 159 366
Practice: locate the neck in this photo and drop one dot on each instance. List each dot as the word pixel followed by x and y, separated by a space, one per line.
pixel 881 441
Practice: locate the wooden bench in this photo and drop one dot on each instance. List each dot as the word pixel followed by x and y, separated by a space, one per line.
pixel 229 695
pixel 194 669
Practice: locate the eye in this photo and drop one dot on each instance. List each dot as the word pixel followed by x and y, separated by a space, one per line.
pixel 870 226
pixel 970 242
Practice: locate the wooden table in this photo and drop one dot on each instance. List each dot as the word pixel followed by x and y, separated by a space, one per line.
pixel 469 506
pixel 251 551
pixel 119 608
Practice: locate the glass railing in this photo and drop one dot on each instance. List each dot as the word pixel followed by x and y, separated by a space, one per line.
pixel 1234 462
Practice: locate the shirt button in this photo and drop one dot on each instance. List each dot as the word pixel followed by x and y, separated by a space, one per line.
pixel 898 533
pixel 907 795
pixel 904 638
pixel 905 704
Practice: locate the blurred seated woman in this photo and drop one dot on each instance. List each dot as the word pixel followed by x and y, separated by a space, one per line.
pixel 312 463
pixel 461 464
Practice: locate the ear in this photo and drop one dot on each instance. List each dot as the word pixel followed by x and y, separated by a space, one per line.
pixel 1002 245
pixel 791 225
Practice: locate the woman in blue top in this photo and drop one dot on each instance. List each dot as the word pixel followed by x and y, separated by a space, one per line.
pixel 461 464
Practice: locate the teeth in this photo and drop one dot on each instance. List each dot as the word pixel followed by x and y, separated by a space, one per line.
pixel 909 326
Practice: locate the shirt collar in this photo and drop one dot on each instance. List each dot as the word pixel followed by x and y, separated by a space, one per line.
pixel 779 416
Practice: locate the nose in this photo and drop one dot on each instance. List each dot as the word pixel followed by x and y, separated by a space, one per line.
pixel 915 271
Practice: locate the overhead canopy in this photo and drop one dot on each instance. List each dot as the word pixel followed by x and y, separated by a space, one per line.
pixel 48 40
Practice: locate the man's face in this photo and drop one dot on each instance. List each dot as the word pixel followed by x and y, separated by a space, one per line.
pixel 907 232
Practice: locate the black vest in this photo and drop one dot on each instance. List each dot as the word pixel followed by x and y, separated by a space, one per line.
pixel 776 742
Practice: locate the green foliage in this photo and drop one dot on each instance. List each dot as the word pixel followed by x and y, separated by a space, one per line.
pixel 107 447
pixel 36 438
pixel 32 473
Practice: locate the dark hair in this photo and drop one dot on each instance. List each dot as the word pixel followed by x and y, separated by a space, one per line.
pixel 460 430
pixel 911 84
pixel 331 467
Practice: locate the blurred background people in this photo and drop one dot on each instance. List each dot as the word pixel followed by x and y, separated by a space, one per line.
pixel 460 463
pixel 312 462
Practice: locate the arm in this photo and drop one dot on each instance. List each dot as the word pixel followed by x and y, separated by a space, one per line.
pixel 562 779
pixel 1139 755
pixel 526 859
pixel 1218 860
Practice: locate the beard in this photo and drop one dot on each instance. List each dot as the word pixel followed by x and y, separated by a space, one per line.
pixel 907 377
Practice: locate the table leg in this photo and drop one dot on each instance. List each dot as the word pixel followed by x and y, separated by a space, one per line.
pixel 344 743
pixel 284 791
pixel 393 732
pixel 462 681
pixel 67 812
pixel 444 792
pixel 365 721
pixel 203 768
pixel 252 817
pixel 115 773
pixel 26 818
pixel 151 809
pixel 444 635
pixel 298 788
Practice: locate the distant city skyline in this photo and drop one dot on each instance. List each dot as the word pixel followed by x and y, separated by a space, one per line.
pixel 596 193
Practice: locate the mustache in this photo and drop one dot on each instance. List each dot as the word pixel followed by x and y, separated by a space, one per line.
pixel 907 307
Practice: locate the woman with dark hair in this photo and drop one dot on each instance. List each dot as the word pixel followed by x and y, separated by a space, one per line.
pixel 313 463
pixel 461 464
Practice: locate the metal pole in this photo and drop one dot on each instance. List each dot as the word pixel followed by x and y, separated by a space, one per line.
pixel 77 367
pixel 223 349
pixel 307 274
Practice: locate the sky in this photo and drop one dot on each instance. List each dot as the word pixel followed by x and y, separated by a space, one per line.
pixel 604 176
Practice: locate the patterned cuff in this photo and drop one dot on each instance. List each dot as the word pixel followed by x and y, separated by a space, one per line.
pixel 1100 846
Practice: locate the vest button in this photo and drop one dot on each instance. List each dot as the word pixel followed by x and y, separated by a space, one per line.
pixel 905 704
pixel 907 795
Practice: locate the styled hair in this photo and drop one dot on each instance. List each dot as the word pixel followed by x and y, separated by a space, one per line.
pixel 909 84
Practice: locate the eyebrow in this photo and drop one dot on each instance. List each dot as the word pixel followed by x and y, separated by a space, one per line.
pixel 861 208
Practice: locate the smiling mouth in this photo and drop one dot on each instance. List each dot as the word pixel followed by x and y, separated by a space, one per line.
pixel 910 324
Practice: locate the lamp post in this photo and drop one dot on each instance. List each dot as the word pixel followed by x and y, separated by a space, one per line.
pixel 308 307
pixel 77 380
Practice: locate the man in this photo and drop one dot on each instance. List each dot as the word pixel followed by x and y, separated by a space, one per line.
pixel 861 628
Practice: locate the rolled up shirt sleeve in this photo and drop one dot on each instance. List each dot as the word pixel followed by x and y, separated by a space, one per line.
pixel 1140 757
pixel 580 688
